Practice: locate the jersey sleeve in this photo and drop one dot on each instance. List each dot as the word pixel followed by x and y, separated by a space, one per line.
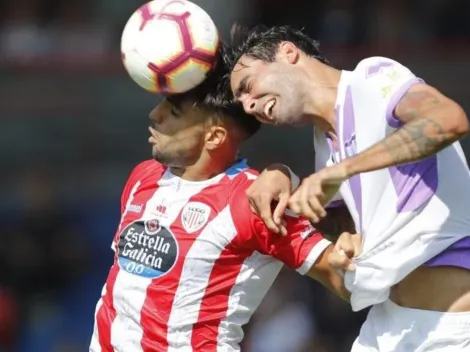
pixel 389 80
pixel 299 249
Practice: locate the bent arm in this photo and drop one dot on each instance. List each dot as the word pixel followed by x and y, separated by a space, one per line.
pixel 322 272
pixel 431 122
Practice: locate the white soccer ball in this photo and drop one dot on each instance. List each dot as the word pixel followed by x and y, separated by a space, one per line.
pixel 168 46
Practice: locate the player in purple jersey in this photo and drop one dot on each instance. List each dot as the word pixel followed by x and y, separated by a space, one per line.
pixel 387 143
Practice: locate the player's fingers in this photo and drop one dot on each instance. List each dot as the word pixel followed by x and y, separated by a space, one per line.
pixel 315 198
pixel 269 222
pixel 345 244
pixel 300 208
pixel 258 200
pixel 316 207
pixel 253 206
pixel 280 208
pixel 307 212
pixel 283 228
pixel 340 262
pixel 306 202
pixel 264 207
pixel 294 202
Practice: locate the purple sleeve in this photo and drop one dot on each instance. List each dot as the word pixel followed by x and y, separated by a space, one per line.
pixel 336 203
pixel 395 99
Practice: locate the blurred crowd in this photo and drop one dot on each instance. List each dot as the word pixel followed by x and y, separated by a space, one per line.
pixel 36 28
pixel 70 134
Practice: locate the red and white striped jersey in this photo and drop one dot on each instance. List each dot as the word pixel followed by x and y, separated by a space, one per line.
pixel 192 263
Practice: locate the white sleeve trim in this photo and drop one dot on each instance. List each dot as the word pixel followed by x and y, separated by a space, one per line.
pixel 312 257
pixel 294 179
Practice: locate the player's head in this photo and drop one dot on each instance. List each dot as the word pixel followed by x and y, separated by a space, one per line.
pixel 268 73
pixel 205 121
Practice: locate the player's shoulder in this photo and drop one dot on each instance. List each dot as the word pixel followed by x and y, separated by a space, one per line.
pixel 377 66
pixel 241 182
pixel 374 62
pixel 237 199
pixel 145 169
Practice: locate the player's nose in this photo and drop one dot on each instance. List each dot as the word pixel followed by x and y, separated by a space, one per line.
pixel 249 105
pixel 156 116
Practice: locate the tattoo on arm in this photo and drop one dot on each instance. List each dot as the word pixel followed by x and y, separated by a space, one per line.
pixel 414 104
pixel 431 123
pixel 421 136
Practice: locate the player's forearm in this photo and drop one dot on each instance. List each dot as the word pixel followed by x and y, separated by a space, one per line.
pixel 419 138
pixel 324 274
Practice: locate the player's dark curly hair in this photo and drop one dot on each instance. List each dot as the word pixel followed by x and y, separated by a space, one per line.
pixel 214 94
pixel 262 43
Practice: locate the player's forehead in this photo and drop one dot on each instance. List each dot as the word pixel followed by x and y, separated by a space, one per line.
pixel 182 104
pixel 244 69
pixel 186 109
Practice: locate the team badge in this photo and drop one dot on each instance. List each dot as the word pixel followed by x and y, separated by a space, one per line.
pixel 194 216
pixel 152 226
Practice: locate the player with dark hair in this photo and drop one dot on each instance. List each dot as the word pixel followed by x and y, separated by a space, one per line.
pixel 192 262
pixel 387 144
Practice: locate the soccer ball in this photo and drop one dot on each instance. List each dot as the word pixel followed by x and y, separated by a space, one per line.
pixel 169 46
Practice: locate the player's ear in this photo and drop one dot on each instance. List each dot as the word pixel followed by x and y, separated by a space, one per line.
pixel 215 136
pixel 289 52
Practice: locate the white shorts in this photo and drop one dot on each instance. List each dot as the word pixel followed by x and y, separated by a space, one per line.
pixel 391 328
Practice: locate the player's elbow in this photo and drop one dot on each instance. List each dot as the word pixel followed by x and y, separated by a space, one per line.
pixel 458 121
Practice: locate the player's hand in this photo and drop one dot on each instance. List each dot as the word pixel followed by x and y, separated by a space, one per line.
pixel 273 185
pixel 316 191
pixel 347 247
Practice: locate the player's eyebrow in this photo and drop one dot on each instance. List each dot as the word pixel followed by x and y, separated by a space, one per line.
pixel 174 101
pixel 242 86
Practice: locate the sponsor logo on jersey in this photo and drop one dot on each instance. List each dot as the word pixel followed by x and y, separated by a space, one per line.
pixel 194 216
pixel 147 249
pixel 160 211
pixel 134 208
pixel 308 232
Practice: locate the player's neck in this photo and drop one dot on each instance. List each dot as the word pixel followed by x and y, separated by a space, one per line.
pixel 322 84
pixel 205 168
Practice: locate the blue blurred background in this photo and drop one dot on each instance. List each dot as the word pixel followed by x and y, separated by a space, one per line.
pixel 73 124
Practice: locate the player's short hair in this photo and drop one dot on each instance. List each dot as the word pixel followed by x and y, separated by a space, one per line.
pixel 214 95
pixel 262 43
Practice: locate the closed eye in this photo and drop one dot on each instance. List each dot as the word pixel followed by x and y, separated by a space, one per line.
pixel 175 112
pixel 244 87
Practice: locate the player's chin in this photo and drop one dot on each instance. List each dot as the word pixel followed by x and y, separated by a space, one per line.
pixel 158 155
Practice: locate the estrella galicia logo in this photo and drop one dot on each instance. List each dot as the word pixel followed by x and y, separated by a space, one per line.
pixel 147 249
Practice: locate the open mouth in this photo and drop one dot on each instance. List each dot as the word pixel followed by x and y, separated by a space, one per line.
pixel 268 108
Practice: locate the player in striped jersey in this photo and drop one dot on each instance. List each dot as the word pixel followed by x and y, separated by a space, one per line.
pixel 388 142
pixel 192 262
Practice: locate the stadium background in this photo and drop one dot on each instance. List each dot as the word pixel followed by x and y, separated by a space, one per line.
pixel 73 125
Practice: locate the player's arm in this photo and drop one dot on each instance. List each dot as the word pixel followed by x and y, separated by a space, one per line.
pixel 303 249
pixel 323 272
pixel 431 121
pixel 339 258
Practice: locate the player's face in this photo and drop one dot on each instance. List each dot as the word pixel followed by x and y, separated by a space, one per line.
pixel 176 133
pixel 269 90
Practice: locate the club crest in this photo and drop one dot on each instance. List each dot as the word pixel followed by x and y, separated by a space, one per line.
pixel 194 216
